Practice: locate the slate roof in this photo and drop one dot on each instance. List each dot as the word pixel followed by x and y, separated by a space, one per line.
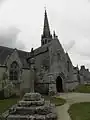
pixel 40 50
pixel 5 51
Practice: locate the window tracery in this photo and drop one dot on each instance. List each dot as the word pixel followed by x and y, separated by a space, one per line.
pixel 14 71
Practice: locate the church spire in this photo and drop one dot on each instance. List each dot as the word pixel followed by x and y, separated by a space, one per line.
pixel 46 30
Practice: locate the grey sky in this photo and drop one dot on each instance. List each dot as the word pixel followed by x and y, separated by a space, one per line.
pixel 69 18
pixel 10 37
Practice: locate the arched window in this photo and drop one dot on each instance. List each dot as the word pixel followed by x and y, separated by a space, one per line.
pixel 68 66
pixel 42 42
pixel 45 41
pixel 14 70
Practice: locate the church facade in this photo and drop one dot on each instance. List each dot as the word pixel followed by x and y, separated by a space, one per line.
pixel 54 71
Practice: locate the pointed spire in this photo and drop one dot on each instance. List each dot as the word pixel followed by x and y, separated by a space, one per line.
pixel 46 29
pixel 46 37
pixel 77 65
pixel 54 35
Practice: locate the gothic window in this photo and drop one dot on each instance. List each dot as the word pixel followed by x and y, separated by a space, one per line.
pixel 45 63
pixel 13 73
pixel 42 42
pixel 59 56
pixel 49 40
pixel 68 65
pixel 45 41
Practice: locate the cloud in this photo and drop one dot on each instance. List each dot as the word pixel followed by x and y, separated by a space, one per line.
pixel 69 18
pixel 10 37
pixel 69 45
pixel 2 1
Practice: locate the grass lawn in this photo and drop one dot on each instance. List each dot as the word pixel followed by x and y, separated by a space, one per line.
pixel 80 111
pixel 6 103
pixel 83 88
pixel 56 101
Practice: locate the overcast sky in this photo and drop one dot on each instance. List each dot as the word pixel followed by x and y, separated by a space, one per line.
pixel 21 24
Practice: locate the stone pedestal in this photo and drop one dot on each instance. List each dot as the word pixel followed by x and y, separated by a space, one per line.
pixel 33 107
pixel 52 85
pixel 32 77
pixel 52 89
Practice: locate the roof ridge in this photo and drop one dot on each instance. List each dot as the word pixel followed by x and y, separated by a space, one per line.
pixel 13 48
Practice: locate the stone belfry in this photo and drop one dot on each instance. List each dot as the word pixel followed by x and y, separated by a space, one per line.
pixel 46 36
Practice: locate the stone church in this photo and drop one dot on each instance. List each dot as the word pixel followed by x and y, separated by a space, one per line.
pixel 54 71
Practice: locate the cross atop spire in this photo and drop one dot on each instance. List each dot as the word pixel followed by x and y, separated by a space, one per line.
pixel 45 7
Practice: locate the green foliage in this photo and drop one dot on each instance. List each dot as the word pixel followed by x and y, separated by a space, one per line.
pixel 57 101
pixel 80 111
pixel 83 88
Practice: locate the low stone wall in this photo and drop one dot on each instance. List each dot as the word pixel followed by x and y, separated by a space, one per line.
pixel 70 85
pixel 87 82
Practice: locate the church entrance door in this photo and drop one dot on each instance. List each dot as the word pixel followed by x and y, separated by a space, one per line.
pixel 59 85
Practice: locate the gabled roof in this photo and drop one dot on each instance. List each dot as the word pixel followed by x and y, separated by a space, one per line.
pixel 39 50
pixel 5 52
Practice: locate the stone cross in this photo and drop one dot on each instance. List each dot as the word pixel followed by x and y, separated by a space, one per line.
pixel 32 75
pixel 31 62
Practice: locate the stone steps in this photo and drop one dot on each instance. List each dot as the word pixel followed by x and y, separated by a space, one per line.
pixel 33 110
pixel 32 107
pixel 49 116
pixel 31 103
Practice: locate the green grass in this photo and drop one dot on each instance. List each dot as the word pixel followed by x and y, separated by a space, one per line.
pixel 7 103
pixel 55 100
pixel 80 111
pixel 83 88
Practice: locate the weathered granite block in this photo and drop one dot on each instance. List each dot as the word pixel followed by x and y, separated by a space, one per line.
pixel 32 97
pixel 51 116
pixel 43 110
pixel 31 103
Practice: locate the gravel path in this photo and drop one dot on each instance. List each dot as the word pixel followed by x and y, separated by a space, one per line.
pixel 70 98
